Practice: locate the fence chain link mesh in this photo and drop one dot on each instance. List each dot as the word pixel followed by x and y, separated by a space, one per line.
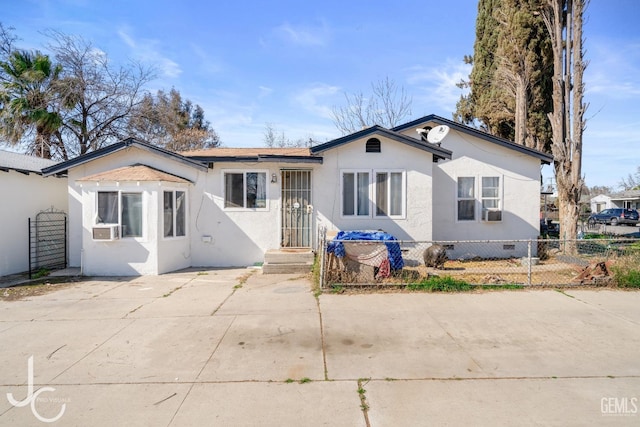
pixel 543 262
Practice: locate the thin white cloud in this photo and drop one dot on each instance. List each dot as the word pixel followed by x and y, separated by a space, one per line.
pixel 315 99
pixel 436 85
pixel 264 91
pixel 147 50
pixel 303 35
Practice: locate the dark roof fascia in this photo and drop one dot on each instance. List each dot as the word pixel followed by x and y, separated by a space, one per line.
pixel 105 151
pixel 437 151
pixel 261 158
pixel 543 157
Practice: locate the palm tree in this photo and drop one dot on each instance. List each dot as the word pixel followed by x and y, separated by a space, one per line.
pixel 28 101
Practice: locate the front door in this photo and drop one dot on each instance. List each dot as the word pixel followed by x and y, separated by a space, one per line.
pixel 297 211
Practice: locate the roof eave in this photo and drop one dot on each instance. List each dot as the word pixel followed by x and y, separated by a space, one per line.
pixel 543 157
pixel 129 142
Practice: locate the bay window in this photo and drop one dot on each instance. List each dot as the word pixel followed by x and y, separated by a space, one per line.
pixel 122 208
pixel 174 213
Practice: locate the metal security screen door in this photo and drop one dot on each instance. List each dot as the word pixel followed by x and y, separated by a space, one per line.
pixel 297 211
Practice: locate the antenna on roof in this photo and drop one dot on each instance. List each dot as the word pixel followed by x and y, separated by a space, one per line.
pixel 437 134
pixel 423 132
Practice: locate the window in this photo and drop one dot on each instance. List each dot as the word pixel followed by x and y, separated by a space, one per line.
pixel 466 199
pixel 490 193
pixel 174 213
pixel 122 208
pixel 381 192
pixel 355 193
pixel 245 190
pixel 389 193
pixel 131 215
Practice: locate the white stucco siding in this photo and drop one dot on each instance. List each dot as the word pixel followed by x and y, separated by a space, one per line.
pixel 22 197
pixel 417 167
pixel 519 175
pixel 149 254
pixel 225 237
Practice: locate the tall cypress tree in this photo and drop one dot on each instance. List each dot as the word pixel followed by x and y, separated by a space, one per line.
pixel 510 81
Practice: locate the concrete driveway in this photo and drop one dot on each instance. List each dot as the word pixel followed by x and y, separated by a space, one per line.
pixel 235 347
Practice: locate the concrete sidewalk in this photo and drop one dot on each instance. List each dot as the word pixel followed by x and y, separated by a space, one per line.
pixel 235 347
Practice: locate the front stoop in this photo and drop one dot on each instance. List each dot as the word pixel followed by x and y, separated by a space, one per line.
pixel 287 261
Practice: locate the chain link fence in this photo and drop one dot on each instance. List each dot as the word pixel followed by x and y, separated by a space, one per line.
pixel 543 262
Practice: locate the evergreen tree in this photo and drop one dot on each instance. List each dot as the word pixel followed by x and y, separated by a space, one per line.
pixel 510 80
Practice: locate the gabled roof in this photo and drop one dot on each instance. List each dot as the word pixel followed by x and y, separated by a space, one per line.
pixel 437 151
pixel 118 146
pixel 543 157
pixel 266 154
pixel 135 173
pixel 626 195
pixel 23 163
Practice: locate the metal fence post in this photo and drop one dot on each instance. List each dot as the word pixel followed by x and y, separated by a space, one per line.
pixel 530 261
pixel 29 245
pixel 323 250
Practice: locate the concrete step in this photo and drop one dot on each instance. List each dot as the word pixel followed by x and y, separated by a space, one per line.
pixel 288 256
pixel 297 268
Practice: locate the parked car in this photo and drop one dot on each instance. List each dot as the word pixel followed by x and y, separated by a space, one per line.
pixel 548 228
pixel 615 216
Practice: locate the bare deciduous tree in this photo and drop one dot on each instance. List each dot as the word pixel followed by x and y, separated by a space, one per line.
pixel 632 181
pixel 563 19
pixel 277 139
pixel 102 96
pixel 387 106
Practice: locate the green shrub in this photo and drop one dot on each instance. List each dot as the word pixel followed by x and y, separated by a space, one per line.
pixel 626 271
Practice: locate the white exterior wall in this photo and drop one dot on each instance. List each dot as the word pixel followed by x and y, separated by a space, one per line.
pixel 603 200
pixel 151 254
pixel 23 196
pixel 519 175
pixel 416 225
pixel 224 237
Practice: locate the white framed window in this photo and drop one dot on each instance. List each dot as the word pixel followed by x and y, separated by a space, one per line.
pixel 466 198
pixel 174 209
pixel 483 191
pixel 122 208
pixel 245 189
pixel 490 192
pixel 355 193
pixel 389 193
pixel 373 193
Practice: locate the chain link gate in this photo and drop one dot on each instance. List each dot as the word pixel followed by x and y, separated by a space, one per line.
pixel 47 241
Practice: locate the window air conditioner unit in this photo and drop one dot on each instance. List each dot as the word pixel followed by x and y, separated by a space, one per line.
pixel 106 232
pixel 492 215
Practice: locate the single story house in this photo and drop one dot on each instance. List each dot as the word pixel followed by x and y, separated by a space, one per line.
pixel 629 199
pixel 139 209
pixel 24 192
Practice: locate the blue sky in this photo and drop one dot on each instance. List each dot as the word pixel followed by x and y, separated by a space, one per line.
pixel 287 63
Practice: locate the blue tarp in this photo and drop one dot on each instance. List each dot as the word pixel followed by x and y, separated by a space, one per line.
pixel 393 249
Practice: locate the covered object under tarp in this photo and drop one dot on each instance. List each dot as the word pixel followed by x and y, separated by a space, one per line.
pixel 367 253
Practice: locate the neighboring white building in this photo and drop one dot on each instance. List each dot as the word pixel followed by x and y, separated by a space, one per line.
pixel 138 209
pixel 629 199
pixel 24 192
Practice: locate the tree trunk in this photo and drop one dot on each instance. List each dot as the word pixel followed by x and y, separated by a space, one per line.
pixel 521 111
pixel 564 22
